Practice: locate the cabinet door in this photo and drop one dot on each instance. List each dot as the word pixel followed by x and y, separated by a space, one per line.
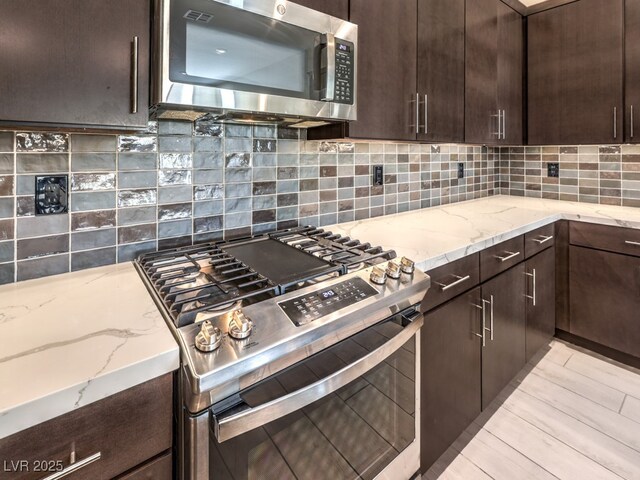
pixel 441 69
pixel 387 40
pixel 593 72
pixel 481 111
pixel 510 73
pixel 576 73
pixel 545 76
pixel 604 296
pixel 541 300
pixel 632 70
pixel 504 354
pixel 71 62
pixel 450 370
pixel 335 8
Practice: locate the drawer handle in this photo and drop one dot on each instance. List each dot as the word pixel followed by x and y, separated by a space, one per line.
pixel 74 467
pixel 444 287
pixel 510 256
pixel 543 239
pixel 629 242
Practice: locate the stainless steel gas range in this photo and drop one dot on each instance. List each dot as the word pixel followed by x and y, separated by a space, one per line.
pixel 300 356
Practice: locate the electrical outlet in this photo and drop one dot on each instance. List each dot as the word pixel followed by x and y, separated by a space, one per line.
pixel 553 170
pixel 460 170
pixel 52 195
pixel 378 175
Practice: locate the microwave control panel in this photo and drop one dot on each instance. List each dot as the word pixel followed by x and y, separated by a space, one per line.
pixel 345 68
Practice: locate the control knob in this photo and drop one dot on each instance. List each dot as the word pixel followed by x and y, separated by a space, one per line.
pixel 407 266
pixel 393 270
pixel 378 276
pixel 240 326
pixel 209 338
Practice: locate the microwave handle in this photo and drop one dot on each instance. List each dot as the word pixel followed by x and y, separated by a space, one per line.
pixel 247 420
pixel 330 59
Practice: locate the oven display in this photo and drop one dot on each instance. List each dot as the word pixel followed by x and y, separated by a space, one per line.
pixel 310 307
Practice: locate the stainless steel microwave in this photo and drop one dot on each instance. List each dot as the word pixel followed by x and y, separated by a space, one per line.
pixel 253 61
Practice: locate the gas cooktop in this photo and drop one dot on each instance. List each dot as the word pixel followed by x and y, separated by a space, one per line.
pixel 204 281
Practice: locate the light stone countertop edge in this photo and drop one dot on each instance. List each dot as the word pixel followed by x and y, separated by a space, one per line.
pixel 70 340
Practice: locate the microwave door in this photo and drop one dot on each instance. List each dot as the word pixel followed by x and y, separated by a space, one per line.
pixel 228 48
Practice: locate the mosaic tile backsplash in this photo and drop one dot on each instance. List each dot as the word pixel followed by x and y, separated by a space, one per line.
pixel 595 174
pixel 180 183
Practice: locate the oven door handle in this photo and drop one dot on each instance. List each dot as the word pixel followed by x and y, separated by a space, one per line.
pixel 243 422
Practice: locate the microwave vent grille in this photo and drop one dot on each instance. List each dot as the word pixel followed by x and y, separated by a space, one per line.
pixel 198 16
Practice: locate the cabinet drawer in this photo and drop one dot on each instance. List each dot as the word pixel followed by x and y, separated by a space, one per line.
pixel 452 279
pixel 125 429
pixel 603 237
pixel 539 240
pixel 501 257
pixel 160 468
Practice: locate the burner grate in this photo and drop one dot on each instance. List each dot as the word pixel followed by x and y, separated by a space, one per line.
pixel 202 278
pixel 334 248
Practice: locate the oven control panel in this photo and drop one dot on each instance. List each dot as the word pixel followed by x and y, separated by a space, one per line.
pixel 312 306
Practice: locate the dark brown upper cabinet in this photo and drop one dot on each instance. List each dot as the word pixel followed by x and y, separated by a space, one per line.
pixel 410 72
pixel 77 63
pixel 387 40
pixel 335 8
pixel 441 70
pixel 576 73
pixel 632 70
pixel 493 73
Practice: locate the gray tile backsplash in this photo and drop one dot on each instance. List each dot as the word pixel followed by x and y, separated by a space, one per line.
pixel 178 183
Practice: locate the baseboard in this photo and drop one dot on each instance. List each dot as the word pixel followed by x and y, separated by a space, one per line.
pixel 608 352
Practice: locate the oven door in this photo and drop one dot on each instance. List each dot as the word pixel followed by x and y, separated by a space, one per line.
pixel 351 411
pixel 259 56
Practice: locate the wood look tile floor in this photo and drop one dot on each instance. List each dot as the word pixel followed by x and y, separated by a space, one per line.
pixel 569 415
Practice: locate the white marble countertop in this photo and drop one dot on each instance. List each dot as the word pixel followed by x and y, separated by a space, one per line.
pixel 436 236
pixel 73 339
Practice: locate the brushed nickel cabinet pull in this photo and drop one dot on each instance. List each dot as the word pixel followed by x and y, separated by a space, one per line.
pixel 543 239
pixel 426 114
pixel 74 467
pixel 135 45
pixel 615 122
pixel 484 322
pixel 631 121
pixel 459 280
pixel 504 124
pixel 510 256
pixel 629 242
pixel 533 295
pixel 417 113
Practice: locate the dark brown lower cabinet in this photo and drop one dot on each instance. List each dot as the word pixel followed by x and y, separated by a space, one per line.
pixel 450 374
pixel 541 300
pixel 128 433
pixel 504 353
pixel 604 298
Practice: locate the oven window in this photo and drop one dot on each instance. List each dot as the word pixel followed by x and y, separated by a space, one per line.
pixel 353 433
pixel 221 46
